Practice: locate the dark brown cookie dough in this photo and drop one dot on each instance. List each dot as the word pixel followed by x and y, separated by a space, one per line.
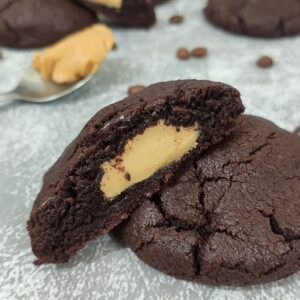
pixel 133 13
pixel 37 23
pixel 267 18
pixel 229 218
pixel 72 209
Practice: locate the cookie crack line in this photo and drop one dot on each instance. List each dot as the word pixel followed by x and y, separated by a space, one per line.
pixel 196 260
pixel 178 227
pixel 276 228
pixel 205 230
pixel 176 223
pixel 144 244
pixel 239 265
pixel 259 148
pixel 274 269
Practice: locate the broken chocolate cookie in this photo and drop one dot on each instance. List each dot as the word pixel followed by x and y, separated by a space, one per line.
pixel 124 154
pixel 231 217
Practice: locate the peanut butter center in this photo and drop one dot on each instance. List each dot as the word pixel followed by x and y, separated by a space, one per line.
pixel 109 3
pixel 157 147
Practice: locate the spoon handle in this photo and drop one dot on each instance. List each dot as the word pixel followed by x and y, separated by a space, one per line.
pixel 10 96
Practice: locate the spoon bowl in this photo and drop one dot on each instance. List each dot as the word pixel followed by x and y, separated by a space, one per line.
pixel 33 88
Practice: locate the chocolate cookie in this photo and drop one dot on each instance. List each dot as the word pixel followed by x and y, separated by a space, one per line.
pixel 268 18
pixel 131 13
pixel 124 154
pixel 231 217
pixel 36 23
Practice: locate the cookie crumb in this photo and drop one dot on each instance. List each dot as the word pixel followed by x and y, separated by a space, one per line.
pixel 176 19
pixel 265 62
pixel 199 52
pixel 183 53
pixel 135 89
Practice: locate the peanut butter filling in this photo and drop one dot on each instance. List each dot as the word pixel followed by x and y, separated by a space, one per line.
pixel 109 3
pixel 157 147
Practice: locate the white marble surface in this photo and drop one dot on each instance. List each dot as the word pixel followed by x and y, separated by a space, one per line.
pixel 33 136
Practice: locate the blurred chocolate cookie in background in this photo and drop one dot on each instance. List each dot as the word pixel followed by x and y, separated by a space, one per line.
pixel 38 23
pixel 268 18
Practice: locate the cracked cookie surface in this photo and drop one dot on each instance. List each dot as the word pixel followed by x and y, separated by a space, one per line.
pixel 36 23
pixel 229 218
pixel 268 18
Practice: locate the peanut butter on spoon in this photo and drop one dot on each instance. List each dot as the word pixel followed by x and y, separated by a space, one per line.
pixel 76 56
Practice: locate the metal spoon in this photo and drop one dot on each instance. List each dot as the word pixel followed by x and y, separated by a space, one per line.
pixel 33 88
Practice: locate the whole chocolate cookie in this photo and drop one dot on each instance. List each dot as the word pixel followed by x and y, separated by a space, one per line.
pixel 123 154
pixel 231 217
pixel 131 13
pixel 37 23
pixel 267 18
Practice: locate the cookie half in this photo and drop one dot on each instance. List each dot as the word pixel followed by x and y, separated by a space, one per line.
pixel 268 18
pixel 231 217
pixel 122 156
pixel 36 23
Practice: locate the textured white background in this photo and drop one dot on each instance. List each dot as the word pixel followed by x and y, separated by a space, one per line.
pixel 33 136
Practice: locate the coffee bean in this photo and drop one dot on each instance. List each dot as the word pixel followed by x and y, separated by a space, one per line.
pixel 115 46
pixel 176 19
pixel 199 52
pixel 135 89
pixel 265 62
pixel 183 53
